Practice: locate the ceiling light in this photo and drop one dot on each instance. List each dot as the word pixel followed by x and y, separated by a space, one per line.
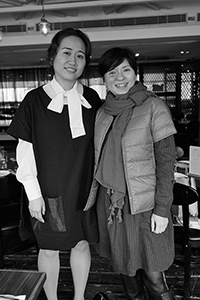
pixel 44 25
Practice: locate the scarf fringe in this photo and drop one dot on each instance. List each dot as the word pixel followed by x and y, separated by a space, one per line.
pixel 114 211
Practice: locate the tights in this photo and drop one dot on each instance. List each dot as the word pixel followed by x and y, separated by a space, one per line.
pixel 155 282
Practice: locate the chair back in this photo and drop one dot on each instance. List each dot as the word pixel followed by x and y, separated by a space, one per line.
pixel 15 227
pixel 10 190
pixel 185 236
pixel 184 194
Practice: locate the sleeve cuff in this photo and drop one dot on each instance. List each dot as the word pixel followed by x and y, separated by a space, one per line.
pixel 161 211
pixel 32 189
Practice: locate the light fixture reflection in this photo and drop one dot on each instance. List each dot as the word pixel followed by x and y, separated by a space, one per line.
pixel 44 25
pixel 1 34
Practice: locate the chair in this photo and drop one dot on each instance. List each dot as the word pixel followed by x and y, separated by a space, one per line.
pixel 188 238
pixel 15 228
pixel 10 190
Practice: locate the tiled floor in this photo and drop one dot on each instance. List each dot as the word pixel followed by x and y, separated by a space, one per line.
pixel 101 278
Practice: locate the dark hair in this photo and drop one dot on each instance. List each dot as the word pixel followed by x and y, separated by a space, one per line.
pixel 60 35
pixel 114 57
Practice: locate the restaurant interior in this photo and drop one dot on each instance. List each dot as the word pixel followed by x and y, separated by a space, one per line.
pixel 165 36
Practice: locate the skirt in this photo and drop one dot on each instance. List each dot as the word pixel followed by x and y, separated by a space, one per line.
pixel 130 245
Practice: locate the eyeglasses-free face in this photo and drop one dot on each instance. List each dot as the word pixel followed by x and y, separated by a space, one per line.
pixel 120 79
pixel 69 62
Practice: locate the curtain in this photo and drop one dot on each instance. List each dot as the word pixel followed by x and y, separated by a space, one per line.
pixel 14 84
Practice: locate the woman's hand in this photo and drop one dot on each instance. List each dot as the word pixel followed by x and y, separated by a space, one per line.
pixel 158 224
pixel 37 209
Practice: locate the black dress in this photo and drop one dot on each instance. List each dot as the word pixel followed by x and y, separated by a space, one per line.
pixel 65 168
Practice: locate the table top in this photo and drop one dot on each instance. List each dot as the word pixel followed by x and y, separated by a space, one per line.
pixel 6 137
pixel 21 282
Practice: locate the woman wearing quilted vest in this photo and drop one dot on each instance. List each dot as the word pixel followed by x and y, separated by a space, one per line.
pixel 135 156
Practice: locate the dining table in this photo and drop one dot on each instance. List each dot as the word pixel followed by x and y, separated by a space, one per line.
pixel 15 284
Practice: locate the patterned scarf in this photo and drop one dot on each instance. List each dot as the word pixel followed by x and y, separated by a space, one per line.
pixel 110 172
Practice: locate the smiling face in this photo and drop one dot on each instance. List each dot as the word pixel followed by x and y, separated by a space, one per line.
pixel 120 79
pixel 69 62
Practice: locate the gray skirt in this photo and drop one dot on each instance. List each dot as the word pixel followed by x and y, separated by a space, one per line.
pixel 130 245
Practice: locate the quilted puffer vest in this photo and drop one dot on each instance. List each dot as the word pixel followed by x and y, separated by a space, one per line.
pixel 150 123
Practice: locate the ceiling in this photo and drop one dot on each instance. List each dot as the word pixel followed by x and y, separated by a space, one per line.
pixel 24 49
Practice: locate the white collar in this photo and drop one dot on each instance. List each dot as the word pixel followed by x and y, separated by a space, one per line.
pixel 52 88
pixel 73 98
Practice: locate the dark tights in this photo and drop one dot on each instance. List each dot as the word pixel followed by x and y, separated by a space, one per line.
pixel 155 282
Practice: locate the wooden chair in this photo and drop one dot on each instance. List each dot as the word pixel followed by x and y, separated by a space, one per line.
pixel 15 227
pixel 188 238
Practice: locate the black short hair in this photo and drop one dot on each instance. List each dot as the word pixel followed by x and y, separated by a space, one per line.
pixel 114 57
pixel 60 35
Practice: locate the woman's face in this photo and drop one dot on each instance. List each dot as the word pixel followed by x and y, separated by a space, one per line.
pixel 69 61
pixel 120 79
